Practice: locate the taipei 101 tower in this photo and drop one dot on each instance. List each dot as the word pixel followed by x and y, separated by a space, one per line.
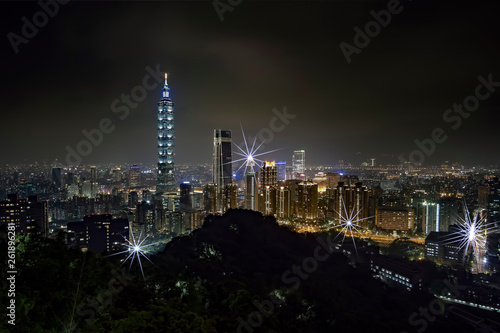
pixel 166 136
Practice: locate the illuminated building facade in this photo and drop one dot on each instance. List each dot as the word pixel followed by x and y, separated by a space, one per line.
pixel 392 218
pixel 134 176
pixel 307 206
pixel 431 217
pixel 166 135
pixel 27 215
pixel 283 204
pixel 251 191
pixel 222 167
pixel 299 164
pixel 347 201
pixel 268 184
pixel 281 170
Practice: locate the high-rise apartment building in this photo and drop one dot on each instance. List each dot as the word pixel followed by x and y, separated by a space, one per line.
pixel 27 215
pixel 307 205
pixel 349 202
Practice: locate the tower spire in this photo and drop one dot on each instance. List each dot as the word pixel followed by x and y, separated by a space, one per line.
pixel 166 89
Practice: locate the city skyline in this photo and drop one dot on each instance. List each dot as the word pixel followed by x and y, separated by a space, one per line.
pixel 394 92
pixel 243 166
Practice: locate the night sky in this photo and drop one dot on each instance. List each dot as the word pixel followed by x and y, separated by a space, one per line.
pixel 262 56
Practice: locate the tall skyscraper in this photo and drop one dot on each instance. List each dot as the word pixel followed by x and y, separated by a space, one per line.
pixel 349 201
pixel 251 191
pixel 222 167
pixel 57 177
pixel 268 175
pixel 281 170
pixel 430 217
pixel 185 203
pixel 307 201
pixel 283 204
pixel 267 185
pixel 134 177
pixel 299 164
pixel 166 136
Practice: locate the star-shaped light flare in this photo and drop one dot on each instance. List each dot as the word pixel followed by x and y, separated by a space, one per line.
pixel 136 249
pixel 249 154
pixel 472 233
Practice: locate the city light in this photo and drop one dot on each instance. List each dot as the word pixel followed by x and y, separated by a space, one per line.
pixel 135 249
pixel 349 223
pixel 471 234
pixel 249 155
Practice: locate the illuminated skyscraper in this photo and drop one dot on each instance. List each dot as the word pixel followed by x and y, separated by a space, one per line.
pixel 268 175
pixel 134 176
pixel 268 184
pixel 166 136
pixel 251 191
pixel 222 167
pixel 307 206
pixel 298 164
pixel 281 171
pixel 346 201
pixel 283 204
pixel 430 217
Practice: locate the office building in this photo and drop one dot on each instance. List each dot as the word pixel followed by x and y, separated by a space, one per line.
pixel 222 169
pixel 185 203
pixel 251 191
pixel 431 217
pixel 299 164
pixel 398 272
pixel 281 171
pixel 394 218
pixel 166 135
pixel 444 248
